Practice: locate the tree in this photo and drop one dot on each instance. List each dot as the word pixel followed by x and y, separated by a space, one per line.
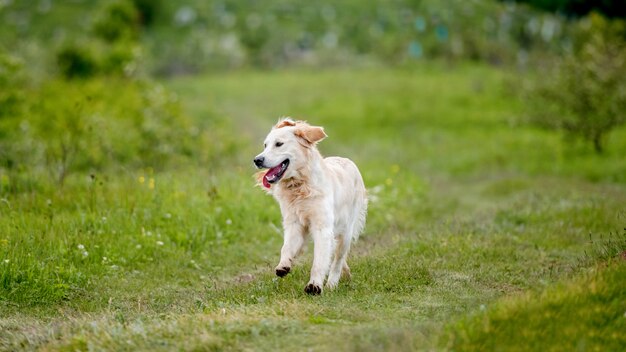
pixel 580 8
pixel 586 96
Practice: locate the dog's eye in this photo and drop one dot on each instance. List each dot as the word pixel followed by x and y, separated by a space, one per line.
pixel 264 145
pixel 278 144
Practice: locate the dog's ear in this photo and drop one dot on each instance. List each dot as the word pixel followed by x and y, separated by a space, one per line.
pixel 311 134
pixel 286 122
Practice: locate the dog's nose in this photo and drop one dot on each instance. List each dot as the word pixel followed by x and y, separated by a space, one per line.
pixel 258 161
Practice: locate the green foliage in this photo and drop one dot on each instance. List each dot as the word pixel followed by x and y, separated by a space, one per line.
pixel 118 21
pixel 12 80
pixel 100 124
pixel 149 11
pixel 85 59
pixel 76 61
pixel 578 8
pixel 111 48
pixel 279 33
pixel 586 96
pixel 196 35
pixel 97 117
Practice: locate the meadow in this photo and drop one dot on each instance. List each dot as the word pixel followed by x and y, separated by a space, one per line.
pixel 483 232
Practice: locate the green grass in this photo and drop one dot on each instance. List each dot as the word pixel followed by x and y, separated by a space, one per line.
pixel 588 313
pixel 479 227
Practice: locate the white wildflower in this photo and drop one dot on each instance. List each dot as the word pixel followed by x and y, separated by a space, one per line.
pixel 159 243
pixel 81 247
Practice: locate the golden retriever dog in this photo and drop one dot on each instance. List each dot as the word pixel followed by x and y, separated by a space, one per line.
pixel 323 198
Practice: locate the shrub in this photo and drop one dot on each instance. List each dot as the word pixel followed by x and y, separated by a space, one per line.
pixel 110 48
pixel 76 61
pixel 99 124
pixel 148 11
pixel 11 81
pixel 586 95
pixel 118 21
pixel 578 8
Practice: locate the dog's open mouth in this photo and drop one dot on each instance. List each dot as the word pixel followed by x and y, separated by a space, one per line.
pixel 274 174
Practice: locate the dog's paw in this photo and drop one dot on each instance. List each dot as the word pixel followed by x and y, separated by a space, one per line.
pixel 313 289
pixel 331 285
pixel 282 271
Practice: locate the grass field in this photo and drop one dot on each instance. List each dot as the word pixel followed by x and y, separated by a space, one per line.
pixel 483 233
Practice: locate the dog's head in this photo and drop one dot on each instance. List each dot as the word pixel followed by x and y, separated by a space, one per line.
pixel 286 148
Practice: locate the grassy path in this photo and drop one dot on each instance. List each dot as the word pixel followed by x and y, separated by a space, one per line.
pixel 469 208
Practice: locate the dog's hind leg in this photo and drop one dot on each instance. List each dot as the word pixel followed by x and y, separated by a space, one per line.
pixel 293 242
pixel 346 271
pixel 339 261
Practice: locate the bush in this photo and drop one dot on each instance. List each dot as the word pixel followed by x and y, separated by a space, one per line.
pixel 118 21
pixel 586 96
pixel 148 11
pixel 98 124
pixel 99 115
pixel 11 79
pixel 77 62
pixel 578 8
pixel 111 48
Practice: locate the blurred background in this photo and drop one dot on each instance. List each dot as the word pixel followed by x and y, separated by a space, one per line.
pixel 48 47
pixel 185 37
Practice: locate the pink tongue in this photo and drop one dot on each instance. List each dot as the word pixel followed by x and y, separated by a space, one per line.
pixel 270 174
pixel 265 183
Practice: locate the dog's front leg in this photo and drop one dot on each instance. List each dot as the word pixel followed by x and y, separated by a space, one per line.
pixel 323 247
pixel 293 241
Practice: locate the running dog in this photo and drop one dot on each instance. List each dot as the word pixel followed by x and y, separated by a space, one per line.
pixel 324 198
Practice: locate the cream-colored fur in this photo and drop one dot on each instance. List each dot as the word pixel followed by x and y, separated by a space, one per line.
pixel 323 198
